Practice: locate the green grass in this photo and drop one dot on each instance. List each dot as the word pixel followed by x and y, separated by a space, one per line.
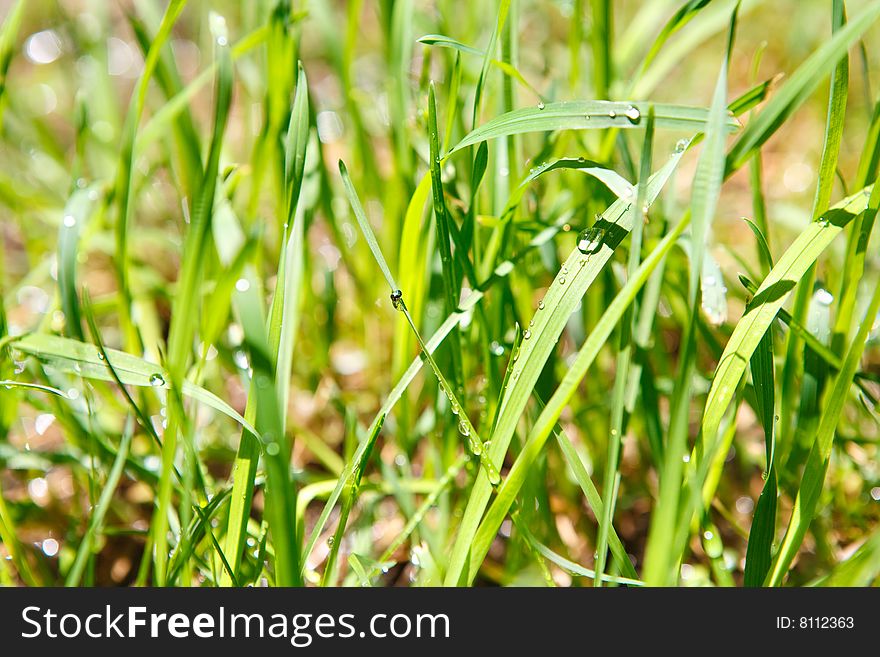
pixel 297 294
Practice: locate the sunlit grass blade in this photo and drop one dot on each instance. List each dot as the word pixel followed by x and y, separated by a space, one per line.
pixel 483 536
pixel 587 115
pixel 572 281
pixel 817 462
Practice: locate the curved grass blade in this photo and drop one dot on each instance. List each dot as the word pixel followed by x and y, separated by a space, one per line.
pixel 82 359
pixel 485 534
pixel 817 462
pixel 618 185
pixel 448 42
pixel 764 306
pixel 587 115
pixel 571 283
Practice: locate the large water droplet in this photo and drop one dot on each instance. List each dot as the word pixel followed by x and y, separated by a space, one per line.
pixel 463 428
pixel 157 380
pixel 527 334
pixel 397 300
pixel 541 305
pixel 824 297
pixel 69 220
pixel 540 104
pixel 633 113
pixel 590 240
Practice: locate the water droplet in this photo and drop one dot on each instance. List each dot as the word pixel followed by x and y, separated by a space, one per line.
pixel 527 334
pixel 686 458
pixel 242 285
pixel 50 547
pixel 710 280
pixel 463 428
pixel 100 355
pixel 681 145
pixel 824 297
pixel 496 349
pixel 708 535
pixel 272 449
pixel 541 305
pixel 157 380
pixel 590 240
pixel 540 104
pixel 397 300
pixel 494 477
pixel 331 541
pixel 633 113
pixel 69 220
pixel 612 114
pixel 823 222
pixel 586 117
pixel 562 281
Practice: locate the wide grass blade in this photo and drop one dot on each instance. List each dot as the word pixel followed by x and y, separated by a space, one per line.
pixel 587 115
pixel 479 545
pixel 571 283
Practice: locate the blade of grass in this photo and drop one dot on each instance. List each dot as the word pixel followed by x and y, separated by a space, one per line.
pixel 611 480
pixel 572 281
pixel 709 176
pixel 587 115
pixel 483 536
pixel 817 463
